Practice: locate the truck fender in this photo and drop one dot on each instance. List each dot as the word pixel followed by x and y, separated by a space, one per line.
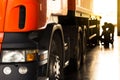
pixel 45 37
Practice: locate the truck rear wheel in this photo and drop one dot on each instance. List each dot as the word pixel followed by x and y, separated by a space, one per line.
pixel 84 47
pixel 55 67
pixel 79 55
pixel 75 63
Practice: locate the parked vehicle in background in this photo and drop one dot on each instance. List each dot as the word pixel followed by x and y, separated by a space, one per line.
pixel 107 35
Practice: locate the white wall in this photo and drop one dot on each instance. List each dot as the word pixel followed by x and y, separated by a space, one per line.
pixel 107 9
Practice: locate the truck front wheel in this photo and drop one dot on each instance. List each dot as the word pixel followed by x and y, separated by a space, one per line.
pixel 55 67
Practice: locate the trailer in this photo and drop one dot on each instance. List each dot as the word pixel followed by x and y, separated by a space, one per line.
pixel 39 38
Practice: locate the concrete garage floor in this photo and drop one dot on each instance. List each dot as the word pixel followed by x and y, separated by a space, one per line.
pixel 101 64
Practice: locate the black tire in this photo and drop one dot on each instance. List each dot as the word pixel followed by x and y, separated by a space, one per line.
pixel 76 61
pixel 84 47
pixel 55 67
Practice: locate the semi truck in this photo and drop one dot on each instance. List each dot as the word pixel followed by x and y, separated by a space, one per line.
pixel 39 38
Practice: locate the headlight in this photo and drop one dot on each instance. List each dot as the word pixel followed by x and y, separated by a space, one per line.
pixel 18 55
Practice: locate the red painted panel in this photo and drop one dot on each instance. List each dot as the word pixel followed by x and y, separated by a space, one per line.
pixel 71 5
pixel 43 13
pixel 1 40
pixel 12 15
pixel 3 4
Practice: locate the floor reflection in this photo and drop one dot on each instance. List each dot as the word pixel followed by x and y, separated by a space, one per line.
pixel 101 64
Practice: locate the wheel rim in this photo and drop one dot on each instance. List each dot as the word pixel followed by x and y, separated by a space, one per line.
pixel 54 67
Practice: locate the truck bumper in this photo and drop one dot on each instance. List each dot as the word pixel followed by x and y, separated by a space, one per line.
pixel 18 71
